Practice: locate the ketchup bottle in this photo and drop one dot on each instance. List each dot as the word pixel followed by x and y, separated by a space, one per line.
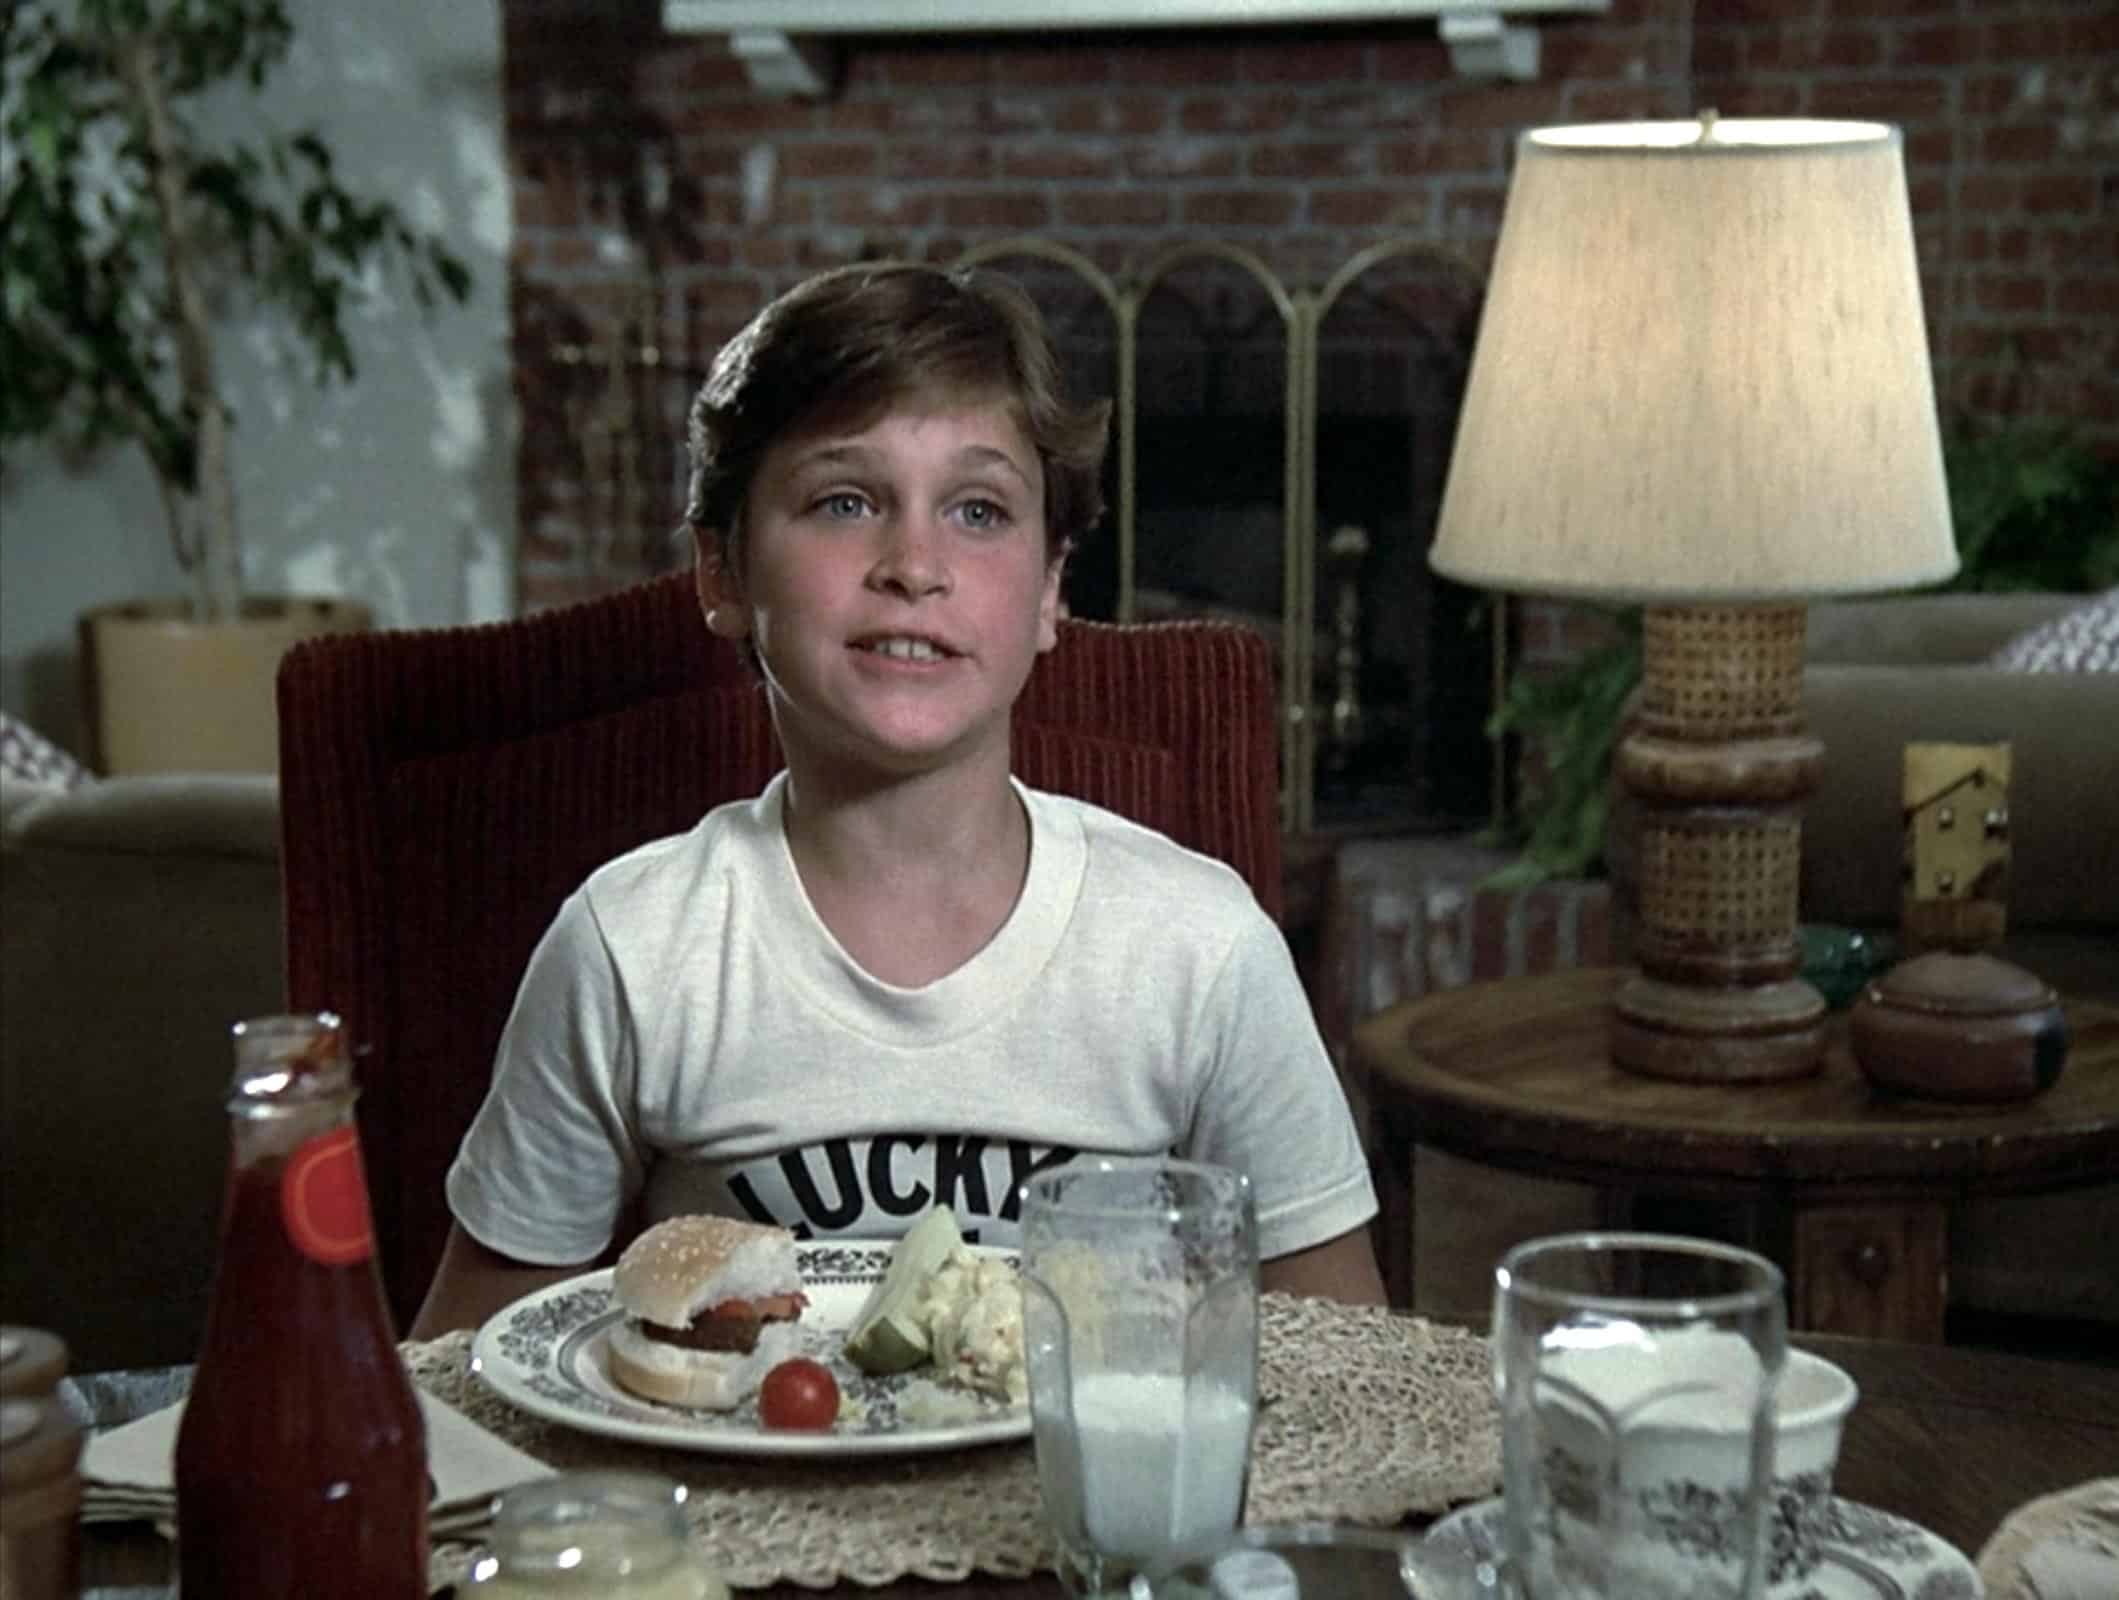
pixel 301 1462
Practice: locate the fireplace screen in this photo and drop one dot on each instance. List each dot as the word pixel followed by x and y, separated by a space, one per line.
pixel 1278 460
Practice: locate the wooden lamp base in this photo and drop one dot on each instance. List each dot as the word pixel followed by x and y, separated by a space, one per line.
pixel 1747 1033
pixel 1718 764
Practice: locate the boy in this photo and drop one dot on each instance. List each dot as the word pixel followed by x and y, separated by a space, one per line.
pixel 896 978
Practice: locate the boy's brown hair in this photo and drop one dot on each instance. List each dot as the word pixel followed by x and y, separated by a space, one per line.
pixel 843 347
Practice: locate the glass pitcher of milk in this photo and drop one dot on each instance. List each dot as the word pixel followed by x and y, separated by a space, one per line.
pixel 1140 1330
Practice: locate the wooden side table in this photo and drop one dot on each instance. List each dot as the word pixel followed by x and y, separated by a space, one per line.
pixel 1851 1193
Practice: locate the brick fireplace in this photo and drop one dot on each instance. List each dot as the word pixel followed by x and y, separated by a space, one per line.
pixel 660 198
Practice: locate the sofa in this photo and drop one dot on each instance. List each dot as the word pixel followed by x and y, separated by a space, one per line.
pixel 139 919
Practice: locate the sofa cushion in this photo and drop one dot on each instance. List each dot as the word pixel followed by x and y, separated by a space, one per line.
pixel 142 919
pixel 170 814
pixel 1923 629
pixel 2064 826
pixel 2085 639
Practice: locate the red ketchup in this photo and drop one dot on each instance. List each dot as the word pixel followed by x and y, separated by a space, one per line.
pixel 301 1463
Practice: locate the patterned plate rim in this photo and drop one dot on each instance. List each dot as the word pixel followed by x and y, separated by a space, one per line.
pixel 1881 1577
pixel 530 1352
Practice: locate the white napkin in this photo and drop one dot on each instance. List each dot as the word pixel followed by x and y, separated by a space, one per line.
pixel 128 1474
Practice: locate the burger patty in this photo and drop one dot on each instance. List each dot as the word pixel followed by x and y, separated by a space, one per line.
pixel 732 1326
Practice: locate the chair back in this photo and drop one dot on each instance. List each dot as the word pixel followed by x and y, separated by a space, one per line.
pixel 442 791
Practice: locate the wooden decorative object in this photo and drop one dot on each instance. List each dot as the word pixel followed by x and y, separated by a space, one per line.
pixel 1957 846
pixel 1719 763
pixel 1954 1022
pixel 1949 1026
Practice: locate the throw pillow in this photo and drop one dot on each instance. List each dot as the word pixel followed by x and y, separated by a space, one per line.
pixel 26 754
pixel 2085 639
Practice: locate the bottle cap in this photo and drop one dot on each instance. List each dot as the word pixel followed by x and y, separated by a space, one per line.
pixel 289 1059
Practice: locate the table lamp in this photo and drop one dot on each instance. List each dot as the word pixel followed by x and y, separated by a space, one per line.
pixel 1701 385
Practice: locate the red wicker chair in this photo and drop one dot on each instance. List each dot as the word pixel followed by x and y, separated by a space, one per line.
pixel 443 790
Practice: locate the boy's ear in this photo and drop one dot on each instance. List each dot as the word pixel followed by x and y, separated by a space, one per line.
pixel 1052 604
pixel 720 590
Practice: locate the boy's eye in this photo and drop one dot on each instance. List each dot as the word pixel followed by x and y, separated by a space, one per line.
pixel 983 514
pixel 843 503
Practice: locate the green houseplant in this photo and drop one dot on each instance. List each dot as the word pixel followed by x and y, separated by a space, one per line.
pixel 2032 508
pixel 131 222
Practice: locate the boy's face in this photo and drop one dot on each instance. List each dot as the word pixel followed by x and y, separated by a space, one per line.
pixel 895 583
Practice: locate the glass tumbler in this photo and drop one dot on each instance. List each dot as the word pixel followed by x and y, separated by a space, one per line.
pixel 1636 1374
pixel 1140 1324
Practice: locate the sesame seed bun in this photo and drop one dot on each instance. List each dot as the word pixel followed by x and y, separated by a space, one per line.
pixel 678 1268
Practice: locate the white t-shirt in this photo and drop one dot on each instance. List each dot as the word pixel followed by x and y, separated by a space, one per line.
pixel 689 1029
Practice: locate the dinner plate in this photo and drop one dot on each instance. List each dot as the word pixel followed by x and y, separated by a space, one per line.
pixel 1868 1554
pixel 548 1353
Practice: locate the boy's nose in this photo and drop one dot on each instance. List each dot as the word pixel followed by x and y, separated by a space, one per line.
pixel 912 558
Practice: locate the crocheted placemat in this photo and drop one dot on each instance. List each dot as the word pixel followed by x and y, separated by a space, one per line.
pixel 1364 1417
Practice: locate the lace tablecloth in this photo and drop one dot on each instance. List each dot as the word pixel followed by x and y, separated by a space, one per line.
pixel 1364 1417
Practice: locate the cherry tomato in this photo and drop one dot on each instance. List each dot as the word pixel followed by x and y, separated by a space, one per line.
pixel 799 1394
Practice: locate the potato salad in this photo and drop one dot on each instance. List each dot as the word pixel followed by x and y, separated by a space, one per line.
pixel 972 1308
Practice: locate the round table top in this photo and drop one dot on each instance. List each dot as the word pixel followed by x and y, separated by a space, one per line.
pixel 1518 1073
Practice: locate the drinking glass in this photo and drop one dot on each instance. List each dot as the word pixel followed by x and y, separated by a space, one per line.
pixel 1140 1331
pixel 1636 1375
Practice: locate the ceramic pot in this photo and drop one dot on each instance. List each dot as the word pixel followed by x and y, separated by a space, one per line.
pixel 1966 1027
pixel 163 693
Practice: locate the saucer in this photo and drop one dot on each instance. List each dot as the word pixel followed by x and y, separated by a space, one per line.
pixel 1868 1554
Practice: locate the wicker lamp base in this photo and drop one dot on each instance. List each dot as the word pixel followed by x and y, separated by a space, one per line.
pixel 1718 764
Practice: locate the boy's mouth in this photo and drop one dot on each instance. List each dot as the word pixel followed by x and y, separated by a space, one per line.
pixel 904 647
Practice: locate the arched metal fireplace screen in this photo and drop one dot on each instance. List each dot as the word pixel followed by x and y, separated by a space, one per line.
pixel 1279 455
pixel 1278 459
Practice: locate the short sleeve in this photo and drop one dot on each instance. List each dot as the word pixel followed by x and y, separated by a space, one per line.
pixel 554 1155
pixel 1270 1104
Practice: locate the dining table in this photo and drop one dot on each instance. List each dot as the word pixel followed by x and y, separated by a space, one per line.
pixel 1951 1438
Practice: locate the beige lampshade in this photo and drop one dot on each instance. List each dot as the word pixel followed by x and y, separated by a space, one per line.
pixel 1701 372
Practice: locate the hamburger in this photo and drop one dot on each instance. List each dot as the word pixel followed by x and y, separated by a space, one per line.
pixel 711 1305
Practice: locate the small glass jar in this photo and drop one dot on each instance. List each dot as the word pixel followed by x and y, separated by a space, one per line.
pixel 620 1535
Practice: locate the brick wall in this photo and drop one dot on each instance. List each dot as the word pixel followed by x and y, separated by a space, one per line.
pixel 630 150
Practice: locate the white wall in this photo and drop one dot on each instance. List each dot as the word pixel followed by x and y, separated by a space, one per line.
pixel 398 489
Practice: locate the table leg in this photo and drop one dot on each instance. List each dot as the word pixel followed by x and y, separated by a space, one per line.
pixel 1873 1271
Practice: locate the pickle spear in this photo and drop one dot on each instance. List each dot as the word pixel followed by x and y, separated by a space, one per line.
pixel 887 1336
